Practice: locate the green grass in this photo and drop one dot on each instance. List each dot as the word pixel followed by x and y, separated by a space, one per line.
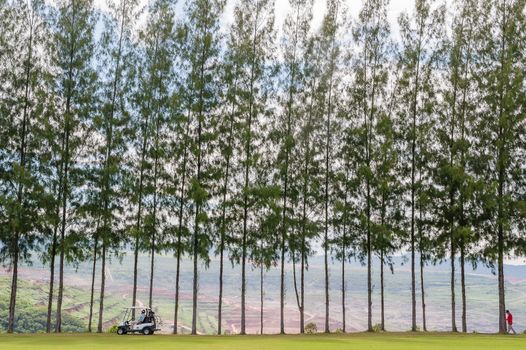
pixel 360 341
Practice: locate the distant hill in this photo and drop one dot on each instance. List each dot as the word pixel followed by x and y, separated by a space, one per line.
pixel 481 294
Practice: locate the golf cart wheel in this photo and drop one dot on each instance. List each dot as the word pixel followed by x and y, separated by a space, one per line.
pixel 121 331
pixel 146 331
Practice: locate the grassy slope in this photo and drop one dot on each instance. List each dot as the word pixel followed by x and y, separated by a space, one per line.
pixel 360 341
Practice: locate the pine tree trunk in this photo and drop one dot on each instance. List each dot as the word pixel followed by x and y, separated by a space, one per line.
pixel 368 125
pixel 135 264
pixel 220 298
pixel 195 249
pixel 247 169
pixel 286 178
pixel 54 248
pixel 382 300
pixel 463 164
pixel 295 284
pixel 304 209
pixel 326 241
pixel 327 174
pixel 413 187
pixel 65 164
pixel 369 263
pixel 152 262
pixel 221 262
pixel 501 182
pixel 14 282
pixel 102 286
pixel 223 226
pixel 180 226
pixel 453 306
pixel 223 220
pixel 421 252
pixel 463 286
pixel 261 300
pixel 422 292
pixel 451 206
pixel 154 214
pixel 282 249
pixel 139 218
pixel 368 136
pixel 141 187
pixel 95 246
pixel 500 246
pixel 195 244
pixel 58 321
pixel 344 246
pixel 177 275
pixel 51 279
pixel 344 324
pixel 302 287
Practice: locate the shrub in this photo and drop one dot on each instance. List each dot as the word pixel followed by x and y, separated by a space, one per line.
pixel 339 331
pixel 311 328
pixel 377 328
pixel 112 329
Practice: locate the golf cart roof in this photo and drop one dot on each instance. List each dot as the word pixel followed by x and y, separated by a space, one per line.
pixel 138 307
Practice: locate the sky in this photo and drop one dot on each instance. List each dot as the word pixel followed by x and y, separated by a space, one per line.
pixel 282 8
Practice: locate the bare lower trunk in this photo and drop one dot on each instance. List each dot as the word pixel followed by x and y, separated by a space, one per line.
pixel 220 301
pixel 453 305
pixel 344 246
pixel 326 265
pixel 463 287
pixel 422 291
pixel 369 262
pixel 302 288
pixel 369 282
pixel 92 283
pixel 195 278
pixel 382 301
pixel 243 276
pixel 58 321
pixel 152 261
pixel 51 279
pixel 295 284
pixel 14 286
pixel 261 300
pixel 502 305
pixel 102 286
pixel 282 287
pixel 135 271
pixel 413 282
pixel 177 275
pixel 344 325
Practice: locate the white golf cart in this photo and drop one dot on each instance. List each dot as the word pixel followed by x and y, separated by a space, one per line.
pixel 146 322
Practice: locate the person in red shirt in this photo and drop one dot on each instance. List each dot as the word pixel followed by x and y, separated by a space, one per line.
pixel 509 321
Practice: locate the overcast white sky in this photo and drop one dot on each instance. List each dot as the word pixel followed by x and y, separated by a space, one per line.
pixel 282 8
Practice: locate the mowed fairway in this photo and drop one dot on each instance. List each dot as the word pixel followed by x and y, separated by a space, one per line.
pixel 361 341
